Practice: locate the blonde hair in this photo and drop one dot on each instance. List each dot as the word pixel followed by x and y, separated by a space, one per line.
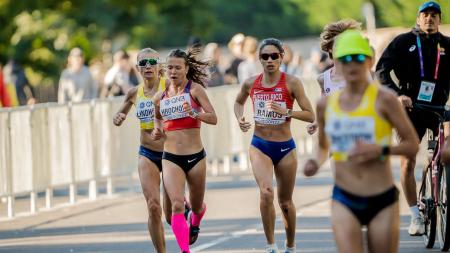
pixel 149 50
pixel 332 30
pixel 146 50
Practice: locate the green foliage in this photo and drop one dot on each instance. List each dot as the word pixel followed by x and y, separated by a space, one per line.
pixel 40 33
pixel 404 12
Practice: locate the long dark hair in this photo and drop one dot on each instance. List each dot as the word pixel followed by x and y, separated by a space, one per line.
pixel 197 69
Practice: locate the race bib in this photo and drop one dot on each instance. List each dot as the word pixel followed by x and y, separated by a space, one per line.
pixel 345 131
pixel 426 91
pixel 172 108
pixel 268 117
pixel 145 110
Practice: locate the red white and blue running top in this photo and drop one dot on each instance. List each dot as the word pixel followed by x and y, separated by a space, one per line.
pixel 278 93
pixel 171 109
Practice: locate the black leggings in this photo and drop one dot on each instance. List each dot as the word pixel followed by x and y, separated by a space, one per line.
pixel 186 162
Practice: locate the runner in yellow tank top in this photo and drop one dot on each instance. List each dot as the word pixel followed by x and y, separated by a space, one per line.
pixel 145 109
pixel 362 123
pixel 150 151
pixel 355 124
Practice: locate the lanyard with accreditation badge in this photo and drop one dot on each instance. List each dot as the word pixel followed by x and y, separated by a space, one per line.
pixel 427 88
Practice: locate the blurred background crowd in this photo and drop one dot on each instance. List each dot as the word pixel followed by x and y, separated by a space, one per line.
pixel 74 50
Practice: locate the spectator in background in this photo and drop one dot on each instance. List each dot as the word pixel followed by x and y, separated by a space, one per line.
pixel 5 101
pixel 14 75
pixel 76 82
pixel 98 71
pixel 195 43
pixel 251 65
pixel 420 61
pixel 311 69
pixel 212 54
pixel 121 76
pixel 290 65
pixel 235 47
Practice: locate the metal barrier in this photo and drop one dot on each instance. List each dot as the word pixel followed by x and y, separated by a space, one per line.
pixel 52 145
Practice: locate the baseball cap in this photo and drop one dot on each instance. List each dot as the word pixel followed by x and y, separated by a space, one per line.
pixel 430 5
pixel 351 42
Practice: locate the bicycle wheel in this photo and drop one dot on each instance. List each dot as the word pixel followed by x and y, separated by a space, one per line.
pixel 427 208
pixel 442 215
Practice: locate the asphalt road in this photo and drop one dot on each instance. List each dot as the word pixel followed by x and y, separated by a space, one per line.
pixel 231 224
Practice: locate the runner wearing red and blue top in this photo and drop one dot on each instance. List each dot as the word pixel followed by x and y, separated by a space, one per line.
pixel 272 149
pixel 182 107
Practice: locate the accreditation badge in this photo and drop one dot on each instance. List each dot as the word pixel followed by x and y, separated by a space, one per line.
pixel 426 91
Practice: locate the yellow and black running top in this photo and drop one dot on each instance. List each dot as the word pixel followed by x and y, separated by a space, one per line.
pixel 145 109
pixel 362 124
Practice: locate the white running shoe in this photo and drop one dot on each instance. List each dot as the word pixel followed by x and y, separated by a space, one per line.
pixel 287 249
pixel 272 248
pixel 417 227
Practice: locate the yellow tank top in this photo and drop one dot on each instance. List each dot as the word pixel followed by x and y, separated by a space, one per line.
pixel 345 128
pixel 145 109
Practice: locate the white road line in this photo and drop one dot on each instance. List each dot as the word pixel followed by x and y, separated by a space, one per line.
pixel 250 230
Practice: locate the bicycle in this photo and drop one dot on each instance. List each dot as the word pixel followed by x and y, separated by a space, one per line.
pixel 433 191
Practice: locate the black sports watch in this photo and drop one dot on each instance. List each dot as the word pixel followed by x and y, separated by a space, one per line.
pixel 289 113
pixel 385 151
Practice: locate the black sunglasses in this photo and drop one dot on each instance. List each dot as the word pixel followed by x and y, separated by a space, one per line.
pixel 144 62
pixel 359 58
pixel 273 56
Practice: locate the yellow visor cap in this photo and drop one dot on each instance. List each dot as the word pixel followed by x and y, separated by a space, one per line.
pixel 351 42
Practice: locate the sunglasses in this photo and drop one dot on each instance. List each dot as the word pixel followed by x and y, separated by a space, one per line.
pixel 144 62
pixel 273 56
pixel 359 58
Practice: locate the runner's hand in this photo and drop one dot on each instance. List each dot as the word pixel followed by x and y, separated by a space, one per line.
pixel 245 126
pixel 311 167
pixel 405 101
pixel 363 152
pixel 119 118
pixel 276 107
pixel 187 108
pixel 157 134
pixel 312 128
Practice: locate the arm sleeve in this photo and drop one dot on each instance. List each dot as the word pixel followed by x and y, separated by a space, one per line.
pixel 387 62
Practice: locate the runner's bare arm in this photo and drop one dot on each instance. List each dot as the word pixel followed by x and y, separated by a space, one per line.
pixel 208 115
pixel 298 92
pixel 312 165
pixel 240 102
pixel 157 132
pixel 128 102
pixel 324 145
pixel 242 98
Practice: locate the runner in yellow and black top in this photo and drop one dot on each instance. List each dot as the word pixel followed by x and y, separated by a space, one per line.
pixel 356 125
pixel 150 151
